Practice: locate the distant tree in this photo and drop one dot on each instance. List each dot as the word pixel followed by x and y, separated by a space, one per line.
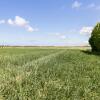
pixel 94 40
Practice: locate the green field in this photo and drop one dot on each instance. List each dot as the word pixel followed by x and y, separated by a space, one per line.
pixel 41 73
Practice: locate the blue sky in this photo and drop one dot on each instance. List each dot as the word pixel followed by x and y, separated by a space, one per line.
pixel 47 22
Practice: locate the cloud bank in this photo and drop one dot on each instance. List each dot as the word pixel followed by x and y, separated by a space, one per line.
pixel 86 30
pixel 20 22
pixel 93 6
pixel 77 4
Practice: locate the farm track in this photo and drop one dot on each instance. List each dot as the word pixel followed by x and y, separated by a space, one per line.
pixel 23 58
pixel 44 58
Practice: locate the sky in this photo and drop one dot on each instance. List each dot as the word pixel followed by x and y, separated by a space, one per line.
pixel 48 22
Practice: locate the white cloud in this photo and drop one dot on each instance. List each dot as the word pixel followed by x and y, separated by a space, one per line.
pixel 60 35
pixel 31 29
pixel 76 4
pixel 86 30
pixel 21 22
pixel 2 21
pixel 63 36
pixel 18 21
pixel 92 5
pixel 57 34
pixel 86 42
pixel 10 21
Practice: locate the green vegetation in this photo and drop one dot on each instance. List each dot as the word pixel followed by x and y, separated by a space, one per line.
pixel 49 74
pixel 95 39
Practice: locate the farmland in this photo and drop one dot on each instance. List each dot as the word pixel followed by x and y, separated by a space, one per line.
pixel 41 73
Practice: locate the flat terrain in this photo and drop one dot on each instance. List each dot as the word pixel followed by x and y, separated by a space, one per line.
pixel 41 73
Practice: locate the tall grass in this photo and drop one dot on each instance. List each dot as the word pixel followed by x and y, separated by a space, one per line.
pixel 48 74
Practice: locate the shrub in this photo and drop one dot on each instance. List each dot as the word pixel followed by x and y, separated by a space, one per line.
pixel 94 40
